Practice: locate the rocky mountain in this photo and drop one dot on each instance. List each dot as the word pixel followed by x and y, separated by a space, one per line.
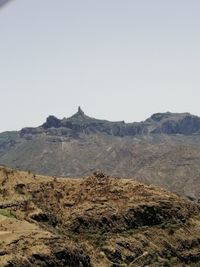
pixel 79 123
pixel 163 150
pixel 94 221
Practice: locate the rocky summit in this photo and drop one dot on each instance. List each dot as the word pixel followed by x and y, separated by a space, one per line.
pixel 165 123
pixel 94 221
pixel 163 150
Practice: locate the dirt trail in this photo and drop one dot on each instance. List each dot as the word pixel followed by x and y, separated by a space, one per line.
pixel 13 229
pixel 5 232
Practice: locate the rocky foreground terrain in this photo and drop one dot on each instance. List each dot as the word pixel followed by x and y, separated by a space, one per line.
pixel 94 221
pixel 163 150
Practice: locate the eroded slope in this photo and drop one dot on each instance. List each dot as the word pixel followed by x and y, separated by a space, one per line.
pixel 94 221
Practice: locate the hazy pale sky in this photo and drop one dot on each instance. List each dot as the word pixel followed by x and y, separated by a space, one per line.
pixel 117 59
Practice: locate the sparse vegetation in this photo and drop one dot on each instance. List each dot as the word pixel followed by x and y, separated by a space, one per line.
pixel 168 160
pixel 95 221
pixel 7 213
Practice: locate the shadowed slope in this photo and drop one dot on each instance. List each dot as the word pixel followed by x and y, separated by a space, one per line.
pixel 94 221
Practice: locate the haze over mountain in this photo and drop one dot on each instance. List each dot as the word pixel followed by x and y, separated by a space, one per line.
pixel 163 150
pixel 118 59
pixel 119 184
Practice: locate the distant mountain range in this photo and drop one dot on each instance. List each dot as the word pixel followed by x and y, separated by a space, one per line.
pixel 166 123
pixel 162 150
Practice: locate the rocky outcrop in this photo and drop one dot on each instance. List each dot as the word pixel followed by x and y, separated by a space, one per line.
pixel 95 221
pixel 163 150
pixel 169 123
pixel 165 123
pixel 59 257
pixel 52 121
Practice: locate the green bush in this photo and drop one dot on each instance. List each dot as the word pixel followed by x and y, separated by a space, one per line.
pixel 7 213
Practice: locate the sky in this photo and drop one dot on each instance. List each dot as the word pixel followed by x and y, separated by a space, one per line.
pixel 117 59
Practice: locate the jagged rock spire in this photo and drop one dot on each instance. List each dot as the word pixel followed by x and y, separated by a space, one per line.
pixel 80 111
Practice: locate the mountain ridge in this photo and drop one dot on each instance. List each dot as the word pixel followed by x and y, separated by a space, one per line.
pixel 165 123
pixel 153 151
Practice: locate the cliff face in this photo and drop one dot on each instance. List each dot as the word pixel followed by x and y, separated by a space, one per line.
pixel 165 123
pixel 163 150
pixel 94 221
